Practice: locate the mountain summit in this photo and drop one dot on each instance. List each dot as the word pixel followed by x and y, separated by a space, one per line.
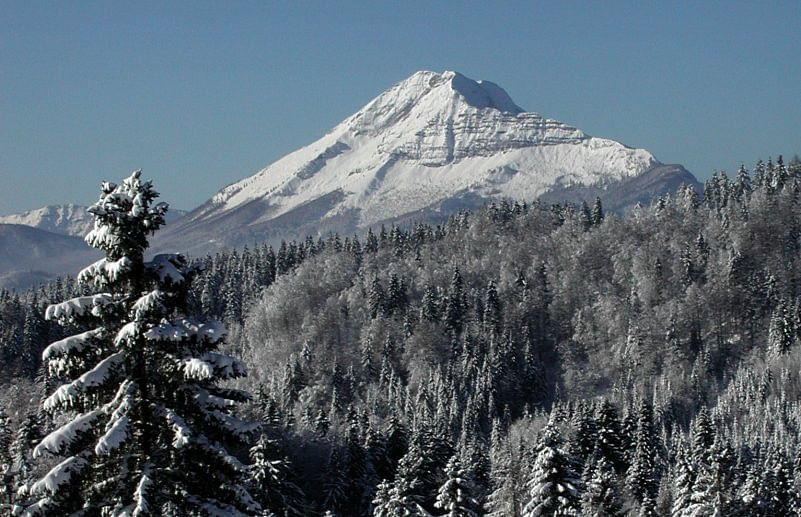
pixel 432 143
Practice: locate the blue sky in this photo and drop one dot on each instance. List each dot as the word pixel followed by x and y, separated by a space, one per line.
pixel 201 94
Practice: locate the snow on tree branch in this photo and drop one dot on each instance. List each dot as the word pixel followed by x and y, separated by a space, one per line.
pixel 70 344
pixel 186 329
pixel 58 475
pixel 66 394
pixel 57 441
pixel 104 271
pixel 78 307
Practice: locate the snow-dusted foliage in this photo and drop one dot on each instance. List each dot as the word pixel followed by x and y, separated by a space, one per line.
pixel 140 386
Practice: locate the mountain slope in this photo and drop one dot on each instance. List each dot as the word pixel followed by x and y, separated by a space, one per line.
pixel 66 219
pixel 40 244
pixel 430 142
pixel 30 255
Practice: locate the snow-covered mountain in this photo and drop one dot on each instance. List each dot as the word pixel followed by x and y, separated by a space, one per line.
pixel 31 255
pixel 67 219
pixel 62 219
pixel 41 244
pixel 431 144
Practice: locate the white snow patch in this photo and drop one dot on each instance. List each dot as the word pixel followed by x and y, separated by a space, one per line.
pixel 164 266
pixel 104 271
pixel 65 394
pixel 197 369
pixel 101 236
pixel 126 333
pixel 147 304
pixel 212 331
pixel 212 364
pixel 181 432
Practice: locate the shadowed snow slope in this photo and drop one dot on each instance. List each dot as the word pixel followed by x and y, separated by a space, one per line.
pixel 30 255
pixel 432 141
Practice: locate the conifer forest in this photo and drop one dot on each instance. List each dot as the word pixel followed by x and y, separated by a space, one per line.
pixel 521 360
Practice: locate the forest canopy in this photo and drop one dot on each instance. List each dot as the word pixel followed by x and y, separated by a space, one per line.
pixel 644 363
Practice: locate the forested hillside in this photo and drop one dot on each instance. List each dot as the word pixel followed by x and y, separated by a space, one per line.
pixel 527 359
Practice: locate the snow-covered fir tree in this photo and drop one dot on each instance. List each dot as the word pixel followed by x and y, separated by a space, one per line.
pixel 149 429
pixel 271 483
pixel 554 485
pixel 455 497
pixel 602 497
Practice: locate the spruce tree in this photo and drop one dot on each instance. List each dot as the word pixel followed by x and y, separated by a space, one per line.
pixel 6 477
pixel 554 485
pixel 455 496
pixel 270 480
pixel 602 495
pixel 642 473
pixel 140 385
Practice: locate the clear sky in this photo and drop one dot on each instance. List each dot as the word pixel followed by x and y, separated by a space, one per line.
pixel 201 94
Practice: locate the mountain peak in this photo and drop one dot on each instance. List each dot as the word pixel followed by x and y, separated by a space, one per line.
pixel 431 95
pixel 433 139
pixel 478 94
pixel 482 94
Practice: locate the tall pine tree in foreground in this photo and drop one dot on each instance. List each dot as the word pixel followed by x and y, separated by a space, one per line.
pixel 149 428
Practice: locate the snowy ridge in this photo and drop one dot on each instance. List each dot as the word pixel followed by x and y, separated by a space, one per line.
pixel 427 138
pixel 66 219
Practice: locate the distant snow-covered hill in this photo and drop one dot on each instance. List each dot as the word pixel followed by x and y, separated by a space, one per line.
pixel 31 255
pixel 428 146
pixel 66 219
pixel 63 219
pixel 41 244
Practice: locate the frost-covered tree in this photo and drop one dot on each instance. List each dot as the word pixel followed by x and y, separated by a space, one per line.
pixel 455 495
pixel 6 478
pixel 554 485
pixel 602 496
pixel 395 500
pixel 271 481
pixel 148 428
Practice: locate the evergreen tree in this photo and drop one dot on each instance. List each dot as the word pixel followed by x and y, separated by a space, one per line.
pixel 602 496
pixel 609 444
pixel 22 447
pixel 270 480
pixel 597 212
pixel 6 472
pixel 554 485
pixel 396 499
pixel 683 483
pixel 642 474
pixel 376 298
pixel 142 382
pixel 455 495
